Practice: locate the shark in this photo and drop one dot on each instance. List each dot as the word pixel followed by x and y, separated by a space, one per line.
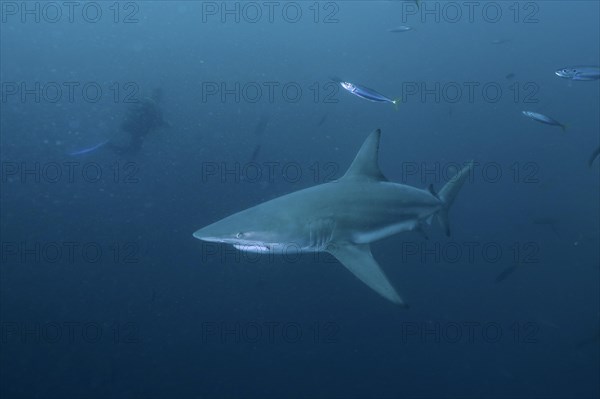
pixel 342 217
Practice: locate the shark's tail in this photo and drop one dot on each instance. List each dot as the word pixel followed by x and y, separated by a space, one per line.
pixel 448 193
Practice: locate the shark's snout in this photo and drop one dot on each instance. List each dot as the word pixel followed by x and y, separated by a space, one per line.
pixel 211 233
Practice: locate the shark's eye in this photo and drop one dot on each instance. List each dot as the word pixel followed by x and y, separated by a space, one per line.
pixel 239 235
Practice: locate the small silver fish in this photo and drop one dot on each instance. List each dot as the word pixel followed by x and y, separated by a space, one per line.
pixel 581 73
pixel 544 119
pixel 366 93
pixel 400 29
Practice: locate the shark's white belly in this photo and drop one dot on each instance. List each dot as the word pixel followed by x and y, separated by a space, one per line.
pixel 369 236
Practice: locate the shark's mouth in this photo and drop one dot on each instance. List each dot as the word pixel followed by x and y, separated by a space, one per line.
pixel 254 247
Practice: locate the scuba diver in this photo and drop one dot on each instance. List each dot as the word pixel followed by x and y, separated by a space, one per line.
pixel 141 118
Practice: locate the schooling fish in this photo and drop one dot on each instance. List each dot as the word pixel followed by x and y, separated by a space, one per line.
pixel 261 125
pixel 322 120
pixel 366 93
pixel 579 73
pixel 505 273
pixel 256 152
pixel 544 119
pixel 88 150
pixel 259 129
pixel 400 29
pixel 548 222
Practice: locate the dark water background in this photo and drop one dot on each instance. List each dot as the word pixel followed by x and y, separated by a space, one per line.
pixel 140 308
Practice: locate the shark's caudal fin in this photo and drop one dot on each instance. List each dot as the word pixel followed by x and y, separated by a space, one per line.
pixel 359 260
pixel 448 194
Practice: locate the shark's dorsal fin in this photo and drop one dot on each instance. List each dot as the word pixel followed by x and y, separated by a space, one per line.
pixel 366 164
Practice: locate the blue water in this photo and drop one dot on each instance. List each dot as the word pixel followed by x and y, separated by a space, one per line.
pixel 104 293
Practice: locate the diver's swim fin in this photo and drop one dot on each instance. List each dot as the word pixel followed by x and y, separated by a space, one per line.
pixel 88 150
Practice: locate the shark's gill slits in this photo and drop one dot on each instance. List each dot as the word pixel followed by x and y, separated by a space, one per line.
pixel 320 234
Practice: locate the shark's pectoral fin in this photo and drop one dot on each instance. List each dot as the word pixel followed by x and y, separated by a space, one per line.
pixel 359 260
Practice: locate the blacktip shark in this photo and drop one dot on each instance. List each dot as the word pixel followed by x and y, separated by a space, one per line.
pixel 341 217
